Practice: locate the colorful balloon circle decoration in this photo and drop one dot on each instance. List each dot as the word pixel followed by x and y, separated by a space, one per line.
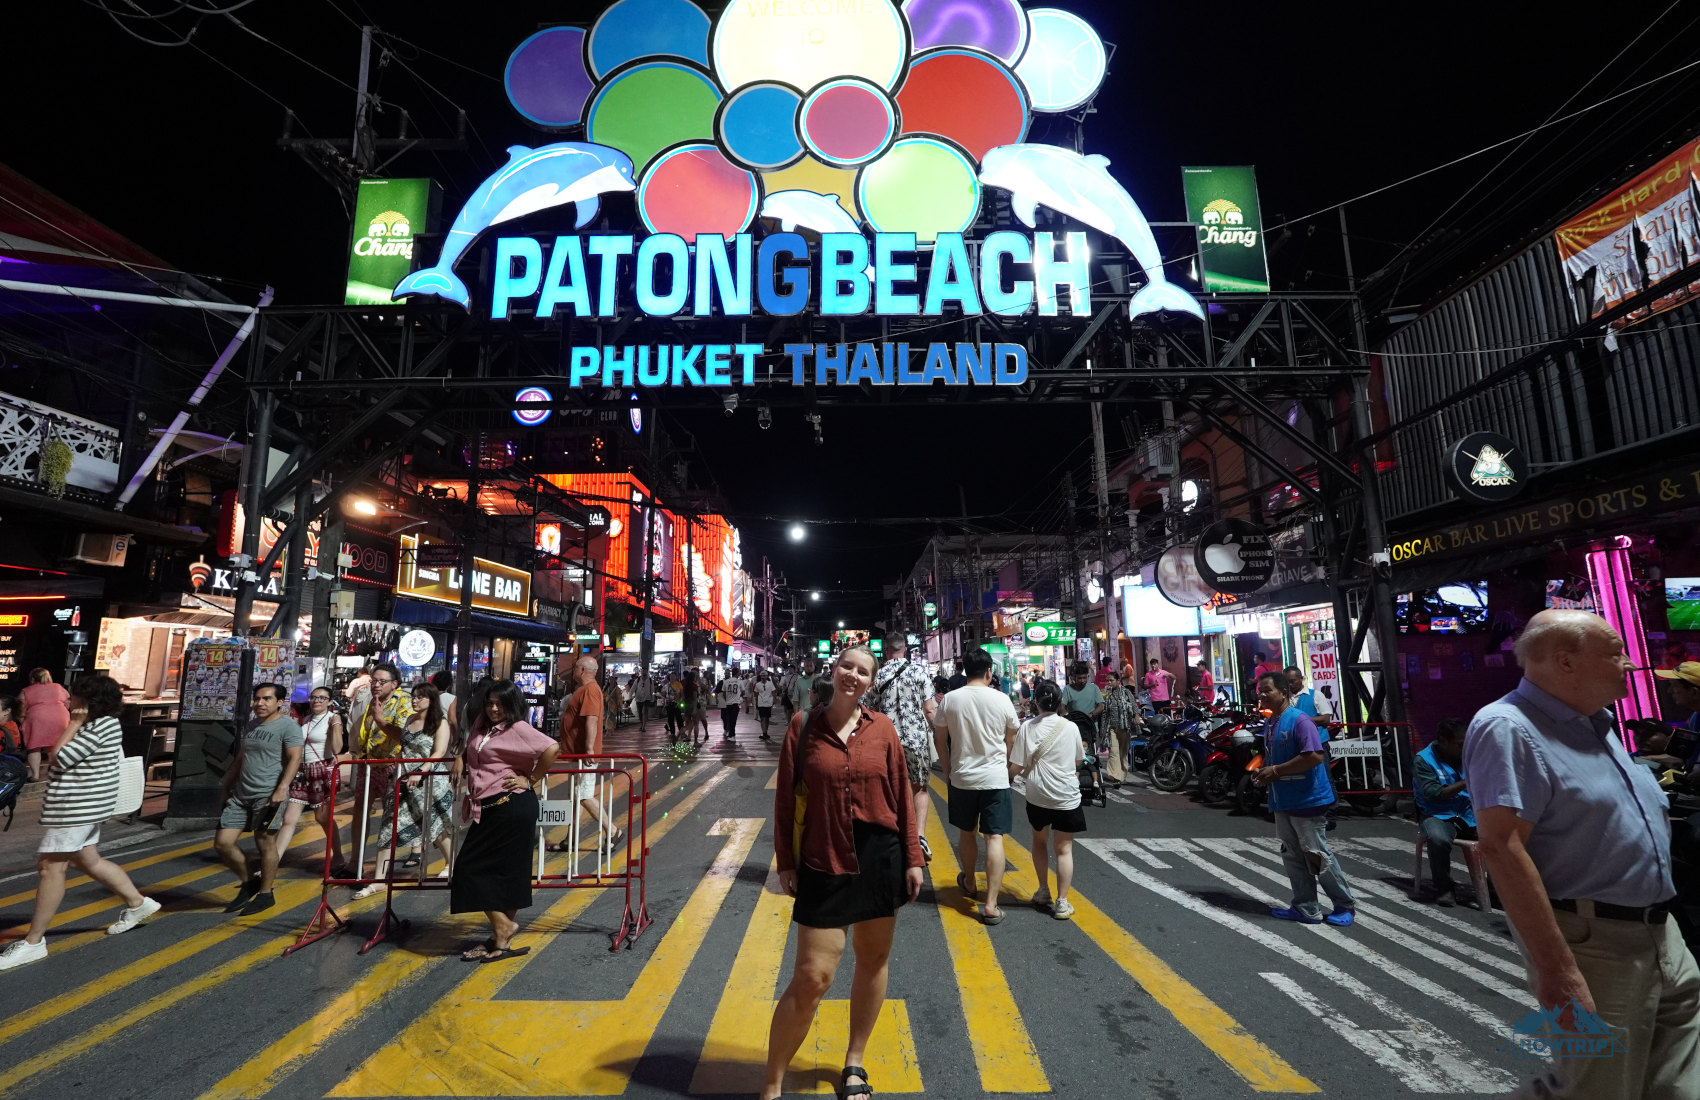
pixel 633 29
pixel 923 185
pixel 964 95
pixel 999 27
pixel 546 80
pixel 694 190
pixel 647 106
pixel 847 122
pixel 757 126
pixel 804 43
pixel 1064 63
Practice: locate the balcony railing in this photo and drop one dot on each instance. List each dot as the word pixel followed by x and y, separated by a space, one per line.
pixel 25 427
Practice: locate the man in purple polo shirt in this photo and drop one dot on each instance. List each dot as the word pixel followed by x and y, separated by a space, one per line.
pixel 1578 845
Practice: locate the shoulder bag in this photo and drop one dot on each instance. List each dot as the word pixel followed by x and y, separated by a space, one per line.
pixel 132 786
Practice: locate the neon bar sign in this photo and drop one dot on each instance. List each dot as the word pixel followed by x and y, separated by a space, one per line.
pixel 581 275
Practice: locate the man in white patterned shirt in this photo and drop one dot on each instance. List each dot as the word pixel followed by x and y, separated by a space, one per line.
pixel 903 692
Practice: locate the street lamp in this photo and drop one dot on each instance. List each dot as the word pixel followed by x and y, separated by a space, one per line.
pixel 841 624
pixel 365 507
pixel 798 532
pixel 814 596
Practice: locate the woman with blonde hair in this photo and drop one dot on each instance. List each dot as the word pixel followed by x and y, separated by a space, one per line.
pixel 45 717
pixel 851 862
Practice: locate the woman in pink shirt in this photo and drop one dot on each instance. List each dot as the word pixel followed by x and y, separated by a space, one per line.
pixel 45 718
pixel 505 759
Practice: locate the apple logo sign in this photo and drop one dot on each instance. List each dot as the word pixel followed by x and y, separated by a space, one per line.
pixel 1224 557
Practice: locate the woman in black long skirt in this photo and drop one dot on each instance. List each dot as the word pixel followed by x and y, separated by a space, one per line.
pixel 505 760
pixel 856 859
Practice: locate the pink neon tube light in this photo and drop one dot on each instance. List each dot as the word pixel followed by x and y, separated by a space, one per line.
pixel 1609 573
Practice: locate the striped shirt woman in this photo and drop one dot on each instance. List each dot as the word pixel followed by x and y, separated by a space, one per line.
pixel 82 784
pixel 82 791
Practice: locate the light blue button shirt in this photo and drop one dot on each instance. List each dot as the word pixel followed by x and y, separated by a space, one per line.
pixel 1600 826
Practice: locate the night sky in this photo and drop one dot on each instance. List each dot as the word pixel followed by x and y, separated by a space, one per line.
pixel 177 149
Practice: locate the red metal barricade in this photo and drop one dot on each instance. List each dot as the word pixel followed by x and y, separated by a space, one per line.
pixel 618 866
pixel 1370 758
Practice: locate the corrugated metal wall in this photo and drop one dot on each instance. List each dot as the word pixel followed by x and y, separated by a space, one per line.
pixel 1564 407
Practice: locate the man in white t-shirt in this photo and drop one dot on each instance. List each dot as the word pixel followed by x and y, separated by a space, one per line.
pixel 973 730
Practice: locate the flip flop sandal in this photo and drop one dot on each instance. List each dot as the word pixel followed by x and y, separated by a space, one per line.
pixel 478 952
pixel 506 953
pixel 848 1090
pixel 991 918
pixel 967 888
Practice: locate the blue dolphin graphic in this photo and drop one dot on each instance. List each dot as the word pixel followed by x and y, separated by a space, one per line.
pixel 1080 187
pixel 531 180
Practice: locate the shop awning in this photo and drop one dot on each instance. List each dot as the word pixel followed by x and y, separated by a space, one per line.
pixel 422 613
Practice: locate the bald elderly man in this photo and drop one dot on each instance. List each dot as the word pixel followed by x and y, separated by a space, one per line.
pixel 1578 843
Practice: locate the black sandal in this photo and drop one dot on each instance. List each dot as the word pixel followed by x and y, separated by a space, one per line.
pixel 848 1090
pixel 478 952
pixel 506 953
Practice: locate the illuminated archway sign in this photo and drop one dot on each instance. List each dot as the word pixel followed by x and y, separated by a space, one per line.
pixel 875 126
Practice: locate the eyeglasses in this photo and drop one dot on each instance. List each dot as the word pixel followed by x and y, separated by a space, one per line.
pixel 319 698
pixel 385 680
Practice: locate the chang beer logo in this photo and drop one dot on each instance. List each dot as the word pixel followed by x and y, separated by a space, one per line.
pixel 1224 223
pixel 389 234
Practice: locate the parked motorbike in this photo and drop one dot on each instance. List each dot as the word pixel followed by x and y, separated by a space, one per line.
pixel 1180 755
pixel 1237 745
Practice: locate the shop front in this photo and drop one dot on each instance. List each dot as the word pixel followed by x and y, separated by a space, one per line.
pixel 1177 638
pixel 428 596
pixel 1626 546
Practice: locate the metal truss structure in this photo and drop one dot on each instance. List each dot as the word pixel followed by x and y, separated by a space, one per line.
pixel 360 386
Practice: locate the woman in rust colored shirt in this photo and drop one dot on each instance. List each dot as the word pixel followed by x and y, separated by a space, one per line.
pixel 857 860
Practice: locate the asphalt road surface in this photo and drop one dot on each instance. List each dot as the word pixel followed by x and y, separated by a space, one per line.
pixel 1172 981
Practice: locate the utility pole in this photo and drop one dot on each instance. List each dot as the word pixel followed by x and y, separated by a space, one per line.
pixel 646 632
pixel 1101 479
pixel 344 162
pixel 1073 579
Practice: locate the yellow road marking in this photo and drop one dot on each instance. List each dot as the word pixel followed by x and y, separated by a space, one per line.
pixel 266 1069
pixel 472 1044
pixel 287 898
pixel 734 1056
pixel 1262 1068
pixel 68 916
pixel 1003 1050
pixel 772 783
pixel 84 880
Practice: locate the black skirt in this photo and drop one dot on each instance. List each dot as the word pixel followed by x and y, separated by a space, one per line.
pixel 876 889
pixel 493 870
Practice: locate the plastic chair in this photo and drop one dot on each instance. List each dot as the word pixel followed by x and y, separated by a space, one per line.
pixel 1473 862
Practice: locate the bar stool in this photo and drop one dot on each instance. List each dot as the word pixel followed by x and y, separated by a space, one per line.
pixel 1473 862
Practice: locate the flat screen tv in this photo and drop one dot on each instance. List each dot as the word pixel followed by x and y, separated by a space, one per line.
pixel 1682 599
pixel 1457 608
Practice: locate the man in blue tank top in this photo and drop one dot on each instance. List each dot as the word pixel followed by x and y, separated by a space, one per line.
pixel 1444 804
pixel 1300 793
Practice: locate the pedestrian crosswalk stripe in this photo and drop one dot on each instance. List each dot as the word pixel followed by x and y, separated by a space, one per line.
pixel 1392 928
pixel 1449 1060
pixel 1412 1055
pixel 1353 946
pixel 287 897
pixel 1221 1034
pixel 109 903
pixel 1004 1052
pixel 474 1043
pixel 1396 896
pixel 72 882
pixel 734 1055
pixel 396 970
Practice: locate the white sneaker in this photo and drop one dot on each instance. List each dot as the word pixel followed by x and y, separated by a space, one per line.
pixel 129 918
pixel 1062 910
pixel 21 952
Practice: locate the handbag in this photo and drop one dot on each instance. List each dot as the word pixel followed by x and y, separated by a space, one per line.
pixel 1033 761
pixel 132 785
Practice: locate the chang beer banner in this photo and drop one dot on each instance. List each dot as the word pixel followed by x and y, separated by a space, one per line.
pixel 1222 203
pixel 388 215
